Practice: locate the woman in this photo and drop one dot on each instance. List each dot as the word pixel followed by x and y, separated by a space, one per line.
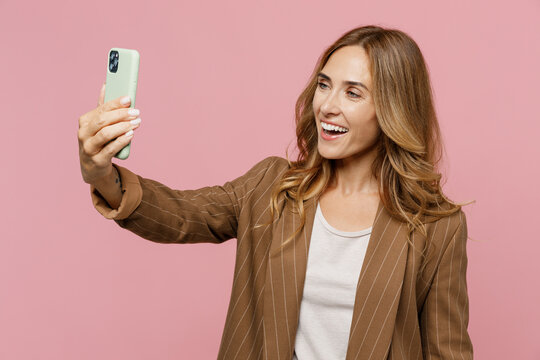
pixel 386 276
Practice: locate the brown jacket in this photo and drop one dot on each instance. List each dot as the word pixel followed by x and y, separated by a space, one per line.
pixel 399 311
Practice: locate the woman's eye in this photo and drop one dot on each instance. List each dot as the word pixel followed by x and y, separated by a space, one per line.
pixel 352 93
pixel 321 85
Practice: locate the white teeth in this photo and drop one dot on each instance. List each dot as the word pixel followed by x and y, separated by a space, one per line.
pixel 333 127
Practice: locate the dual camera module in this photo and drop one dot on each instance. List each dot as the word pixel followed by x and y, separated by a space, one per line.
pixel 113 61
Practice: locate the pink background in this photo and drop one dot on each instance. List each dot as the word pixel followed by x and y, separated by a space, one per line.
pixel 217 87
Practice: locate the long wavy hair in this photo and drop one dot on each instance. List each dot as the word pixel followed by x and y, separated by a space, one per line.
pixel 409 147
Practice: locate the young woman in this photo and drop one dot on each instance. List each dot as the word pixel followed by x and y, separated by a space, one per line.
pixel 350 252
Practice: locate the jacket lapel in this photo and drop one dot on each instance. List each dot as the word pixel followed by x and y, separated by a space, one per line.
pixel 377 294
pixel 378 289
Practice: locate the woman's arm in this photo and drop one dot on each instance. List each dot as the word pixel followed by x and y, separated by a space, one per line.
pixel 161 214
pixel 445 316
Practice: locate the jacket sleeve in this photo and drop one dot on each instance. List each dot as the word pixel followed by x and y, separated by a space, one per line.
pixel 164 215
pixel 445 315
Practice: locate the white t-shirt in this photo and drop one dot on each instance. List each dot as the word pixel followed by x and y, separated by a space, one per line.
pixel 334 262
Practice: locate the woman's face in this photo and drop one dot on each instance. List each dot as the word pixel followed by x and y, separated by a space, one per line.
pixel 343 99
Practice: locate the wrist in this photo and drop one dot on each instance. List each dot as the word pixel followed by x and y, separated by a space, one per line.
pixel 108 180
pixel 110 188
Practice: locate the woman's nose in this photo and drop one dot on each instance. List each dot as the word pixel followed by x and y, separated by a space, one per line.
pixel 330 104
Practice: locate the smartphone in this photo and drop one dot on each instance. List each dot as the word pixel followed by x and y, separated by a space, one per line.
pixel 122 77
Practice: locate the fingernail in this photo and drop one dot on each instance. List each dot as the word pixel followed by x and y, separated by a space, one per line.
pixel 133 112
pixel 125 100
pixel 129 133
pixel 135 121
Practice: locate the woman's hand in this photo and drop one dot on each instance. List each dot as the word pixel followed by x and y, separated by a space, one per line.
pixel 103 132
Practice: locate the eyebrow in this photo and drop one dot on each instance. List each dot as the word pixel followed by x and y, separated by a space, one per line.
pixel 348 82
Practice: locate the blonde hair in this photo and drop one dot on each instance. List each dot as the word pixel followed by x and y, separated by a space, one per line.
pixel 409 148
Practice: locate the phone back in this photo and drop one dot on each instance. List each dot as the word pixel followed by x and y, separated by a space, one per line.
pixel 122 76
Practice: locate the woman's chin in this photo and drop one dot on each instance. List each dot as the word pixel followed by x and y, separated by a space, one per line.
pixel 329 154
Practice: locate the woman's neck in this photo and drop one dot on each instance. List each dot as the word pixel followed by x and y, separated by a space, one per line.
pixel 353 176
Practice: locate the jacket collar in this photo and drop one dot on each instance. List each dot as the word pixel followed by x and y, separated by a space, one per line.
pixel 377 294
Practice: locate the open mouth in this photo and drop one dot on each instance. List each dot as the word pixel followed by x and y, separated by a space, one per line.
pixel 332 130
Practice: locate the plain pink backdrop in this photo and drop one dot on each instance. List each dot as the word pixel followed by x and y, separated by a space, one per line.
pixel 217 87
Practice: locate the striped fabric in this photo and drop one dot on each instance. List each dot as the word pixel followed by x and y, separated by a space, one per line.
pixel 399 311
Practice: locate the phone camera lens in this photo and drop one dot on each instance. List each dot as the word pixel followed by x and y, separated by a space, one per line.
pixel 113 61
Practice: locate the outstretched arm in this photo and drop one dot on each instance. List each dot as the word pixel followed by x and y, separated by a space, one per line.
pixel 161 214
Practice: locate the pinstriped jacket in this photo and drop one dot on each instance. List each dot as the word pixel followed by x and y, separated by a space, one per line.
pixel 401 310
